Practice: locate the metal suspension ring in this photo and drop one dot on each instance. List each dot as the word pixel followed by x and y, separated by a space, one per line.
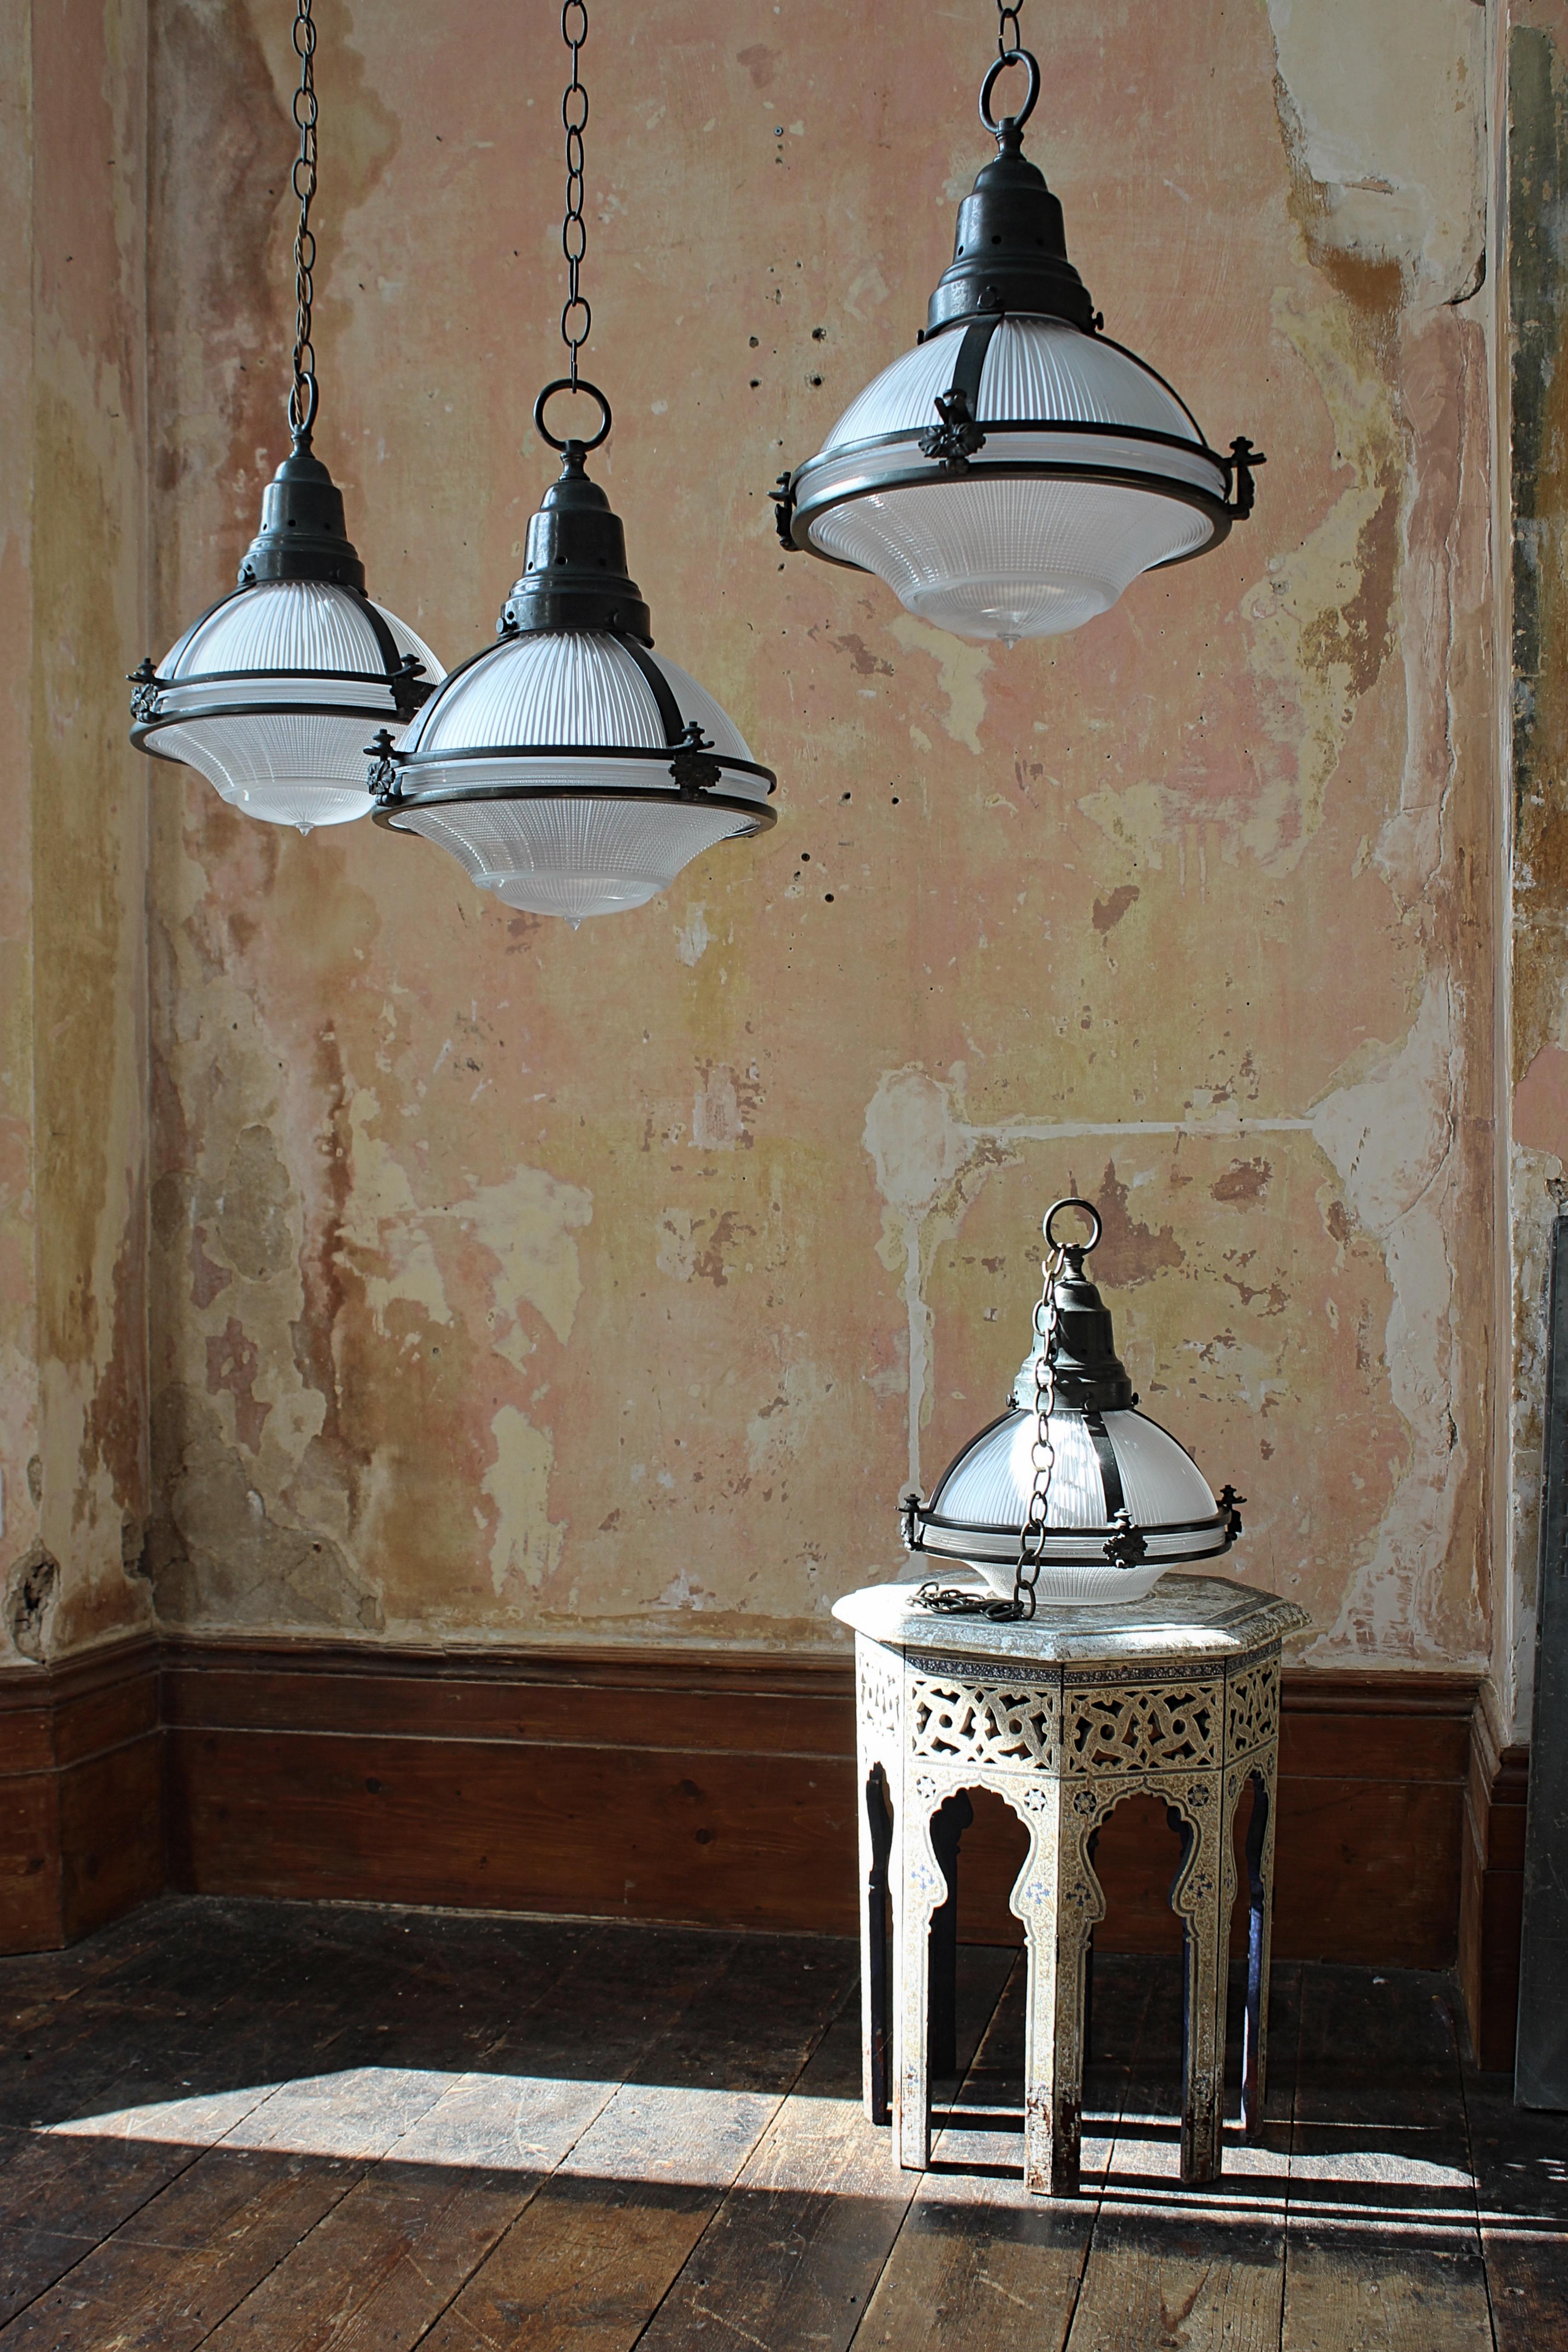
pixel 1071 1201
pixel 576 384
pixel 1025 58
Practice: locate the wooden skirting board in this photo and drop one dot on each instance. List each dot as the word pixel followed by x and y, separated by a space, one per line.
pixel 81 1818
pixel 679 1786
pixel 1491 1887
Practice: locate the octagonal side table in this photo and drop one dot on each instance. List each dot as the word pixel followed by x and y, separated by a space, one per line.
pixel 1176 1695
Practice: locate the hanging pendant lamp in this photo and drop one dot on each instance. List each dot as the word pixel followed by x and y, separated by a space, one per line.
pixel 1072 1495
pixel 1012 475
pixel 268 694
pixel 568 768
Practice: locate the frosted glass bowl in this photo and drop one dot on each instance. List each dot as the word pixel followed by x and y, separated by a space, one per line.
pixel 1092 472
pixel 273 695
pixel 530 814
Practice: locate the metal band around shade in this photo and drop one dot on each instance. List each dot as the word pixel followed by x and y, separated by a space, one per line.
pixel 531 754
pixel 387 812
pixel 931 476
pixel 144 729
pixel 404 705
pixel 424 687
pixel 976 1534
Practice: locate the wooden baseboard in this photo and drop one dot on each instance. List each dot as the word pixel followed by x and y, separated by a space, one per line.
pixel 682 1786
pixel 704 1787
pixel 80 1794
pixel 720 1789
pixel 1491 1888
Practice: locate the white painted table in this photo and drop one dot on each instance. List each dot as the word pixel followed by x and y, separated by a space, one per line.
pixel 1176 1695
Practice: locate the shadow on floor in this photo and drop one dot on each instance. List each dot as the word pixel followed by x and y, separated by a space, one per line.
pixel 255 2123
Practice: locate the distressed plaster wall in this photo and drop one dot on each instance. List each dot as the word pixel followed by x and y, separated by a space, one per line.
pixel 73 1388
pixel 507 1283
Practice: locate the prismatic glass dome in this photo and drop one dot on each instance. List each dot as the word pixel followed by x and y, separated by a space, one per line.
pixel 568 767
pixel 271 693
pixel 1125 1500
pixel 1014 474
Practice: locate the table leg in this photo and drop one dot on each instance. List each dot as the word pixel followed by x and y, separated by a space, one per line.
pixel 1260 1900
pixel 1196 1896
pixel 1060 1900
pixel 876 1990
pixel 917 1883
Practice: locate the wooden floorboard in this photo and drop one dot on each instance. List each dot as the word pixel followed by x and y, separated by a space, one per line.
pixel 612 2230
pixel 166 2279
pixel 1200 2268
pixel 337 2129
pixel 1385 2252
pixel 977 2262
pixel 1521 2164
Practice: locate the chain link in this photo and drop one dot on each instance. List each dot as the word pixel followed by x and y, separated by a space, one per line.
pixel 1009 39
pixel 302 391
pixel 576 317
pixel 952 1600
pixel 1042 1453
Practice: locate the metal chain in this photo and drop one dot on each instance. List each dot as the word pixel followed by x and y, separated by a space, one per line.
pixel 302 391
pixel 576 317
pixel 1009 39
pixel 1042 1453
pixel 950 1600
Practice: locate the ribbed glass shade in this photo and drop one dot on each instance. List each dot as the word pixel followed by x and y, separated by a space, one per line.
pixel 546 826
pixel 572 856
pixel 1021 554
pixel 287 748
pixel 988 1489
pixel 549 687
pixel 1036 370
pixel 1010 559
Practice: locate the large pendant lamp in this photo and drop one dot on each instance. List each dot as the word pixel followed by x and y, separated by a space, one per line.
pixel 569 768
pixel 1072 1495
pixel 1012 475
pixel 269 694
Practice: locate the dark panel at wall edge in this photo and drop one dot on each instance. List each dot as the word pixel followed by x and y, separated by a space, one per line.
pixel 1491 1886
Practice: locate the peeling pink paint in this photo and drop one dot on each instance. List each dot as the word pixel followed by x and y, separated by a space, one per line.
pixel 506 1284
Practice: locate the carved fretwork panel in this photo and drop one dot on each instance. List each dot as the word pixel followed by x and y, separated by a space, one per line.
pixel 1064 1740
pixel 1174 1727
pixel 1252 1708
pixel 880 1691
pixel 984 1723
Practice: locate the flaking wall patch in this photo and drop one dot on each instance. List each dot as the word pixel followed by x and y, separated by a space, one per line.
pixel 562 1286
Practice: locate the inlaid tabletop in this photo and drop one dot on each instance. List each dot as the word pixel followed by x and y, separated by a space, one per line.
pixel 1183 1617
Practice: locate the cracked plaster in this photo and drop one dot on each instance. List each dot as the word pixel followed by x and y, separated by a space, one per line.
pixel 507 1282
